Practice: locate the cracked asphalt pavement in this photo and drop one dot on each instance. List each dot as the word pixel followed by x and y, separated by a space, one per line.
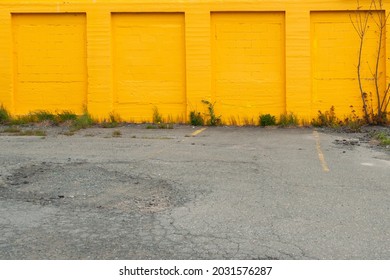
pixel 226 193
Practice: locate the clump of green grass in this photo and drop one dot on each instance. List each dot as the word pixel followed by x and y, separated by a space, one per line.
pixel 267 120
pixel 35 117
pixel 383 138
pixel 158 121
pixel 41 116
pixel 289 119
pixel 5 116
pixel 113 121
pixel 353 122
pixel 196 118
pixel 45 116
pixel 66 116
pixel 21 120
pixel 157 117
pixel 83 121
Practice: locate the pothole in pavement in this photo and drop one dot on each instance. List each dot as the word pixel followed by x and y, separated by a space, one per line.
pixel 89 185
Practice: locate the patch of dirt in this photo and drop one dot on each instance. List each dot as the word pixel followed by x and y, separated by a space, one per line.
pixel 366 136
pixel 88 185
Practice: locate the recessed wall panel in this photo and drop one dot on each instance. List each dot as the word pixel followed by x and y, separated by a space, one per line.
pixel 248 64
pixel 49 62
pixel 149 65
pixel 335 48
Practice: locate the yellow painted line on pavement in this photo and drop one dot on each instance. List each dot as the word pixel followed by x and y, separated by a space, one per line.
pixel 196 132
pixel 320 153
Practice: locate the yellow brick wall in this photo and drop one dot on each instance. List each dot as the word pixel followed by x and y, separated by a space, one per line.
pixel 128 57
pixel 49 54
pixel 148 51
pixel 248 66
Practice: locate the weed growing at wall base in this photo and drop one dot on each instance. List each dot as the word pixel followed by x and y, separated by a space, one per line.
pixel 196 119
pixel 113 121
pixel 213 119
pixel 5 117
pixel 157 117
pixel 383 138
pixel 288 120
pixel 267 120
pixel 83 121
pixel 66 116
pixel 353 122
pixel 327 119
pixel 158 121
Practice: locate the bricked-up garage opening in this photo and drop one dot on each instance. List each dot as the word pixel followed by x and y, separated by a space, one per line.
pixel 49 62
pixel 248 64
pixel 335 47
pixel 149 65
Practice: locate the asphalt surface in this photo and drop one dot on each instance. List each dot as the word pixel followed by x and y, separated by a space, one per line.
pixel 224 193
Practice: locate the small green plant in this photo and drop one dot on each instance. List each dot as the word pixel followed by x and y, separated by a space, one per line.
pixel 327 119
pixel 213 119
pixel 113 121
pixel 267 120
pixel 160 126
pixel 289 119
pixel 158 121
pixel 383 138
pixel 83 121
pixel 21 120
pixel 196 118
pixel 116 133
pixel 66 116
pixel 353 122
pixel 5 116
pixel 36 117
pixel 42 116
pixel 157 118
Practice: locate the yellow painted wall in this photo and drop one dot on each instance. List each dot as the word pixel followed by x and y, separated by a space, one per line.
pixel 49 54
pixel 127 57
pixel 248 75
pixel 335 48
pixel 148 51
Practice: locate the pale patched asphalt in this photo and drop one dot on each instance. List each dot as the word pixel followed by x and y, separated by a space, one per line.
pixel 226 193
